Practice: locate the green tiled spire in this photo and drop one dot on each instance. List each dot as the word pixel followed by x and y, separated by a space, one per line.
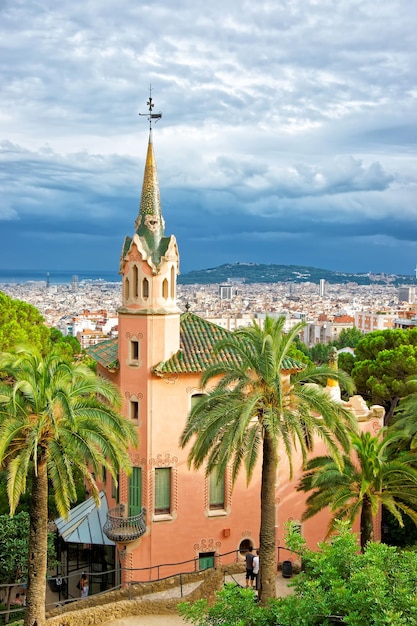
pixel 150 223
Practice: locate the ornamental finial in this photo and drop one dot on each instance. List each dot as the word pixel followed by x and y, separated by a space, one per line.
pixel 151 116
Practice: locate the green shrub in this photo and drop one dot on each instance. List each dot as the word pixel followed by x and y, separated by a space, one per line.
pixel 376 588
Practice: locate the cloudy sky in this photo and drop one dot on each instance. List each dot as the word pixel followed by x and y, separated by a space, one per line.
pixel 288 134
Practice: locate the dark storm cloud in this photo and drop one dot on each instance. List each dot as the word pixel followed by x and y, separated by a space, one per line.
pixel 288 130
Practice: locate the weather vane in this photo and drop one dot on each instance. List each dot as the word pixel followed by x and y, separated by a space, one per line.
pixel 151 116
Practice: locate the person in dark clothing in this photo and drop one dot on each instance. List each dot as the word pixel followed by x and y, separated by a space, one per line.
pixel 250 576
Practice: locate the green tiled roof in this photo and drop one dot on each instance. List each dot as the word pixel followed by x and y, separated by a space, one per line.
pixel 197 340
pixel 105 352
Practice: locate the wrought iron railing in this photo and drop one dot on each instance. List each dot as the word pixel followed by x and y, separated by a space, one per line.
pixel 120 527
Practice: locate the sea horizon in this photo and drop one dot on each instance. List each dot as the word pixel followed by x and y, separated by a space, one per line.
pixel 56 277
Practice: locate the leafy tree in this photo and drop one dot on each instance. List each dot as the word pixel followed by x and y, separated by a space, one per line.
pixel 234 607
pixel 52 425
pixel 346 362
pixel 375 476
pixel 67 346
pixel 253 408
pixel 385 360
pixel 376 587
pixel 320 353
pixel 299 351
pixel 21 323
pixel 395 535
pixel 14 534
pixel 348 338
pixel 405 423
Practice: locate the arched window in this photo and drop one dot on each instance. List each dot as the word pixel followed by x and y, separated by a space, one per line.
pixel 196 398
pixel 172 283
pixel 135 279
pixel 244 546
pixel 145 288
pixel 165 289
pixel 127 288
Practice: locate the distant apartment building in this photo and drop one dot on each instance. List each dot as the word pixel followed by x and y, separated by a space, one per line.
pixel 89 327
pixel 405 323
pixel 225 292
pixel 322 288
pixel 406 319
pixel 231 322
pixel 325 331
pixel 88 337
pixel 407 294
pixel 367 321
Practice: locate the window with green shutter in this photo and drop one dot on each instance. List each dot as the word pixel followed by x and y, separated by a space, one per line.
pixel 135 491
pixel 195 398
pixel 115 489
pixel 205 560
pixel 216 491
pixel 162 490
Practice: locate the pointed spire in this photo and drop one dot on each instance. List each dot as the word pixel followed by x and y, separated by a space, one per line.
pixel 150 223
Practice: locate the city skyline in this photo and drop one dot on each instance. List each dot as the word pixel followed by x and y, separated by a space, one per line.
pixel 287 137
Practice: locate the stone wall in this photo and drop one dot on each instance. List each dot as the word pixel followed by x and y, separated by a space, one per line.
pixel 116 604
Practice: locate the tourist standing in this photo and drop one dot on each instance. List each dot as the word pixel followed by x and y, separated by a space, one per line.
pixel 250 576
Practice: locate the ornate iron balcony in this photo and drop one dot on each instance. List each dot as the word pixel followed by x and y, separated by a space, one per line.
pixel 122 528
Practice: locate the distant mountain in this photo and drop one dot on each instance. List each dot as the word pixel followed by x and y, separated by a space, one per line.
pixel 260 273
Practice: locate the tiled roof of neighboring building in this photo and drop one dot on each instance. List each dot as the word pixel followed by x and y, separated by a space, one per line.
pixel 344 319
pixel 105 352
pixel 197 340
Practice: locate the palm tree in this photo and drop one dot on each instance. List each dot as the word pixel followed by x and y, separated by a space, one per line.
pixel 52 425
pixel 376 475
pixel 252 408
pixel 404 422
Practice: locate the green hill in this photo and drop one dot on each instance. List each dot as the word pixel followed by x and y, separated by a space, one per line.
pixel 261 273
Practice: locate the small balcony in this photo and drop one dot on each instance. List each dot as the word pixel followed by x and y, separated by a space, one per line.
pixel 122 528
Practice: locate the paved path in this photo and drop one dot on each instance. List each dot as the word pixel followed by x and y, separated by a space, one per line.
pixel 175 620
pixel 148 620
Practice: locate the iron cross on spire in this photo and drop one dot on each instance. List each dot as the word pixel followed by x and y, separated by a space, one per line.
pixel 151 116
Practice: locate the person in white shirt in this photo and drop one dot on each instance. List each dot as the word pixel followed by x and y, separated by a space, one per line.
pixel 256 568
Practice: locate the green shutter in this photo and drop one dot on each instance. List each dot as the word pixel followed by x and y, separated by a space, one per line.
pixel 216 491
pixel 115 489
pixel 135 491
pixel 163 490
pixel 195 398
pixel 205 560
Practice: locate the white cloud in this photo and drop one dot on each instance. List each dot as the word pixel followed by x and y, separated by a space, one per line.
pixel 299 106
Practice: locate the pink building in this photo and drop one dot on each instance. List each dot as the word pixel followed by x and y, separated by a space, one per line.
pixel 164 512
